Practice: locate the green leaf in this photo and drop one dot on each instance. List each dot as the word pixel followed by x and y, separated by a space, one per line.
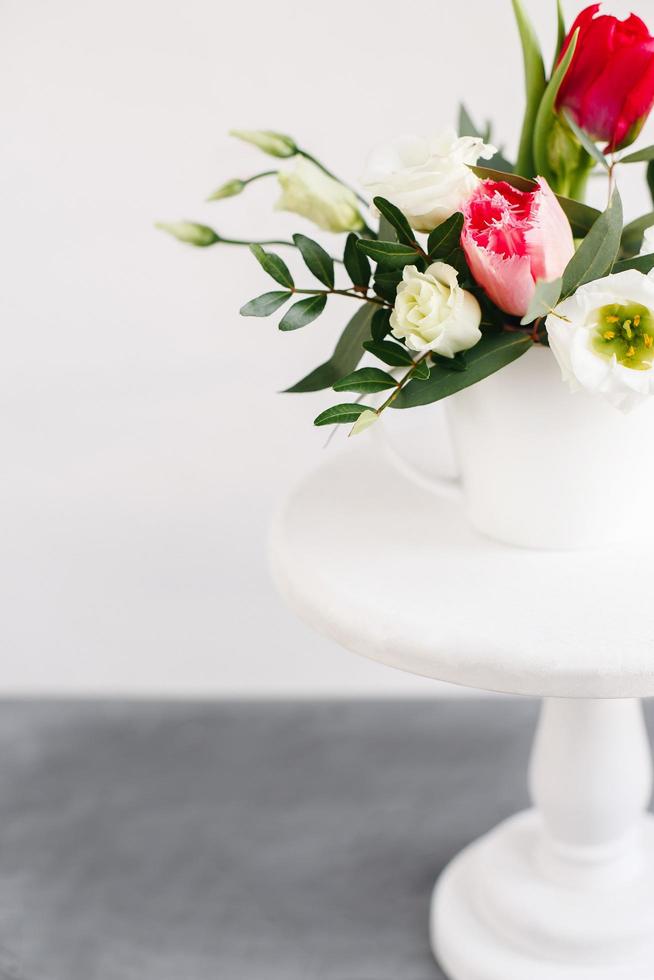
pixel 386 231
pixel 396 219
pixel 273 265
pixel 641 263
pixel 356 264
pixel 366 381
pixel 560 32
pixel 388 253
pixel 534 85
pixel 389 353
pixel 365 420
pixel 266 304
pixel 347 353
pixel 316 259
pixel 494 351
pixel 546 117
pixel 638 156
pixel 632 234
pixel 421 371
pixel 190 233
pixel 381 324
pixel 589 146
pixel 581 216
pixel 303 312
pixel 545 298
pixel 522 183
pixel 597 253
pixel 650 179
pixel 339 414
pixel 445 238
pixel 385 284
pixel 466 125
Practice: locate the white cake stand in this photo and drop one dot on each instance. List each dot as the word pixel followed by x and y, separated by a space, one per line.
pixel 564 891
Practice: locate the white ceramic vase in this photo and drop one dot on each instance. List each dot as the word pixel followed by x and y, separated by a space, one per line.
pixel 541 467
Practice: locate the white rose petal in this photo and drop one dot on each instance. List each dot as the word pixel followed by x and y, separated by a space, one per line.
pixel 427 179
pixel 433 313
pixel 576 324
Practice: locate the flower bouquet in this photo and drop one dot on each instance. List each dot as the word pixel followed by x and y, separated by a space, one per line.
pixel 462 261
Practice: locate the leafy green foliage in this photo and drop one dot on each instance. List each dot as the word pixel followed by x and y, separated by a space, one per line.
pixel 560 33
pixel 642 263
pixel 589 146
pixel 397 220
pixel 389 353
pixel 516 180
pixel 546 118
pixel 546 296
pixel 595 256
pixel 381 324
pixel 494 351
pixel 347 353
pixel 355 262
pixel 316 259
pixel 639 156
pixel 581 216
pixel 535 85
pixel 366 381
pixel 265 304
pixel 304 312
pixel 390 254
pixel 386 283
pixel 632 234
pixel 339 414
pixel 445 238
pixel 273 265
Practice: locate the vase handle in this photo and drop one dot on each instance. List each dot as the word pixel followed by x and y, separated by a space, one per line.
pixel 444 486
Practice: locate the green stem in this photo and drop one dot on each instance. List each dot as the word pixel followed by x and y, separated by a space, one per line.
pixel 376 300
pixel 401 383
pixel 268 241
pixel 264 173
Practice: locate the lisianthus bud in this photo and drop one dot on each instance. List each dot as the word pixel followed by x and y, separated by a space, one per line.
pixel 189 232
pixel 275 144
pixel 603 338
pixel 512 239
pixel 306 190
pixel 609 86
pixel 229 189
pixel 432 312
pixel 427 179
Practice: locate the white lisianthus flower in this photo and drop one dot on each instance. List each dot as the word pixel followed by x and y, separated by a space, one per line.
pixel 603 338
pixel 427 179
pixel 648 241
pixel 432 312
pixel 307 191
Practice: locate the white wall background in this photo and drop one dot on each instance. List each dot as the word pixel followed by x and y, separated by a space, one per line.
pixel 143 446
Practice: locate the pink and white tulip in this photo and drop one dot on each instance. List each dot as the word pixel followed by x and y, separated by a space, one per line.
pixel 512 239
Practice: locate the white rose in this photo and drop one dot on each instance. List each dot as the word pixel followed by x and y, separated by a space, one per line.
pixel 306 190
pixel 427 179
pixel 603 338
pixel 432 312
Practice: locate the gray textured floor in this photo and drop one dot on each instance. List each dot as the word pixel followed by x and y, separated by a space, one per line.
pixel 241 841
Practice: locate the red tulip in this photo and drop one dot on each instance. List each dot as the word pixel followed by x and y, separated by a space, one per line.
pixel 609 87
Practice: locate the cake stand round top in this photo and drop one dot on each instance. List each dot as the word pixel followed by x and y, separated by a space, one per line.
pixel 395 573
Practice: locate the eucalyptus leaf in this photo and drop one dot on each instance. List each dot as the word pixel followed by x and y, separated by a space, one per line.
pixel 266 304
pixel 445 238
pixel 546 117
pixel 388 253
pixel 347 353
pixel 639 156
pixel 393 354
pixel 355 262
pixel 492 352
pixel 304 312
pixel 546 296
pixel 273 265
pixel 589 146
pixel 641 263
pixel 632 234
pixel 595 256
pixel 534 86
pixel 581 216
pixel 515 180
pixel 339 414
pixel 395 218
pixel 366 381
pixel 316 259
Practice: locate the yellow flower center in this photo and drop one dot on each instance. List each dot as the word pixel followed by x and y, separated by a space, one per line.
pixel 625 332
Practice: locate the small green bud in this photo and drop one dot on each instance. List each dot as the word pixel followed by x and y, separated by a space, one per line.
pixel 229 189
pixel 275 144
pixel 189 232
